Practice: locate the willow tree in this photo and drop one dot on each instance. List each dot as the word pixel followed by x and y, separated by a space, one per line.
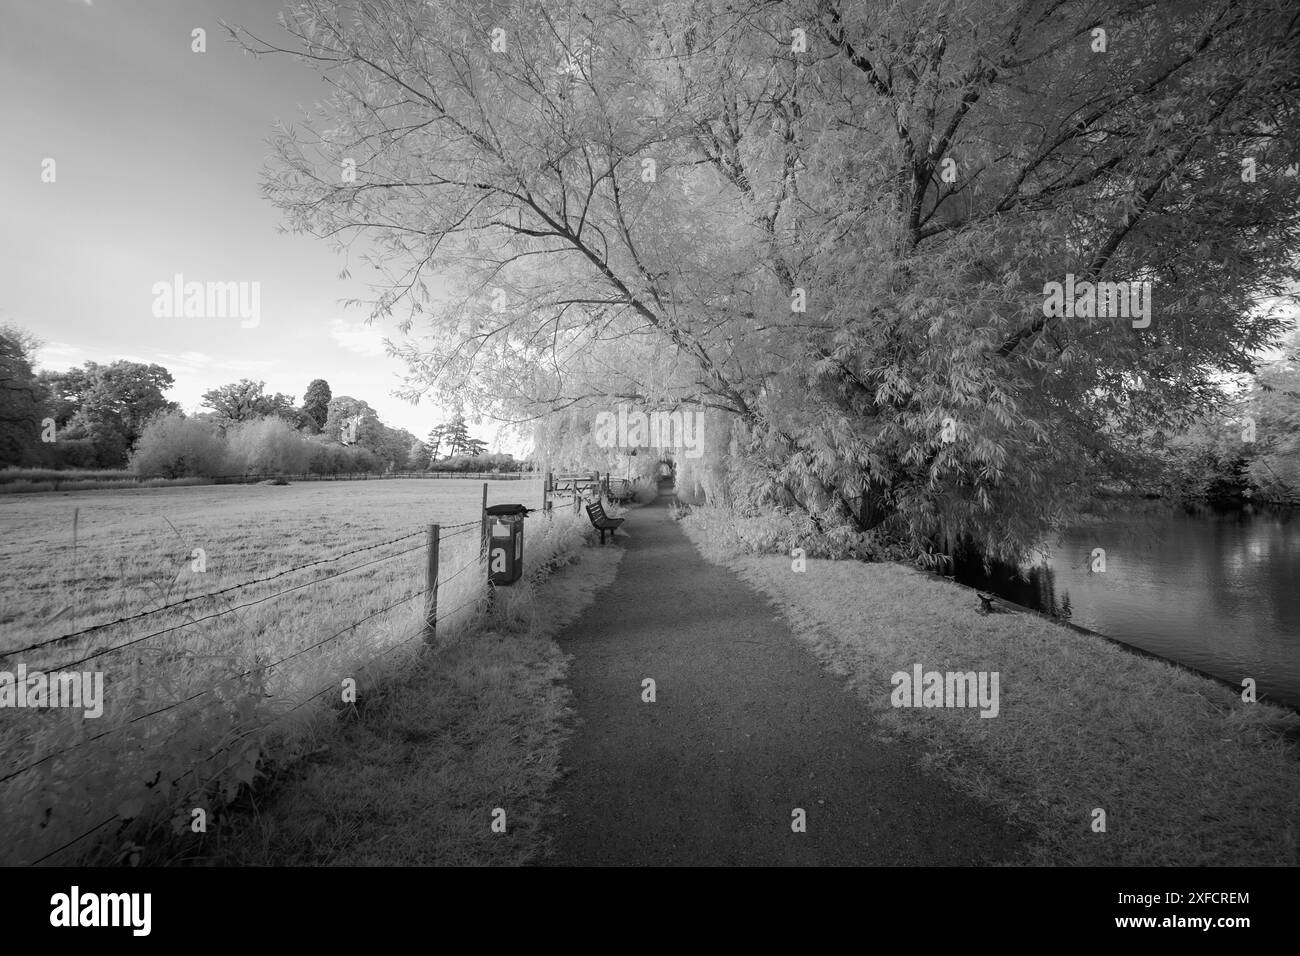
pixel 832 224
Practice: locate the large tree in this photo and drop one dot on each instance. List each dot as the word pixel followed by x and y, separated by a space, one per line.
pixel 247 400
pixel 351 421
pixel 437 435
pixel 22 397
pixel 831 224
pixel 344 413
pixel 108 404
pixel 418 456
pixel 315 404
pixel 455 435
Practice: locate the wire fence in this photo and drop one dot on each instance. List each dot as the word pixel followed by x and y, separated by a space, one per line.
pixel 201 597
pixel 331 686
pixel 246 479
pixel 382 475
pixel 436 537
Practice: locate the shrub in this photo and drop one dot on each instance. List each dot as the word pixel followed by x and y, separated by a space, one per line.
pixel 173 446
pixel 355 459
pixel 322 457
pixel 776 532
pixel 459 463
pixel 266 446
pixel 69 453
pixel 326 457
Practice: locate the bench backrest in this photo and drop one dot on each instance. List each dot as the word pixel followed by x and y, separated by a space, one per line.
pixel 596 511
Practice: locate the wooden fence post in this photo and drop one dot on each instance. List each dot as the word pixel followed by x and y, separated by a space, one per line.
pixel 483 525
pixel 431 582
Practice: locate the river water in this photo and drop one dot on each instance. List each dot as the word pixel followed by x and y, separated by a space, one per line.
pixel 1216 590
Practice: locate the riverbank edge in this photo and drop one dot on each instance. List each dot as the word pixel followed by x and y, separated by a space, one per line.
pixel 1014 608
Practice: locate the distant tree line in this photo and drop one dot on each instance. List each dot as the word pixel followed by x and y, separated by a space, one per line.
pixel 1251 452
pixel 116 416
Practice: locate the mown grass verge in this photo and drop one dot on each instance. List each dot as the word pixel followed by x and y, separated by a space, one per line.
pixel 1186 772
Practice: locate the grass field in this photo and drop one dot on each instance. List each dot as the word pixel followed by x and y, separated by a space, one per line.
pixel 198 698
pixel 133 547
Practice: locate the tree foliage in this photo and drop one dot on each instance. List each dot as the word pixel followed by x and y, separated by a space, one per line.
pixel 266 446
pixel 832 224
pixel 315 403
pixel 22 398
pixel 454 439
pixel 109 405
pixel 245 401
pixel 1273 454
pixel 175 446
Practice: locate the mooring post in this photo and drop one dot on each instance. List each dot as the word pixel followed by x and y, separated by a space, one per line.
pixel 431 583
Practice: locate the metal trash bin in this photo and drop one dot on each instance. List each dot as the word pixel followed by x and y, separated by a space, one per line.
pixel 505 543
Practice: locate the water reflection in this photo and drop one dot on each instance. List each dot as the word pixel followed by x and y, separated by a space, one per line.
pixel 1214 589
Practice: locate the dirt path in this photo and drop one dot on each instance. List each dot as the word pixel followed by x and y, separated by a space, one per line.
pixel 747 727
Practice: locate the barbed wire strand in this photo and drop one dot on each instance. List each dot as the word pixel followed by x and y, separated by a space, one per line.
pixel 173 705
pixel 97 826
pixel 211 594
pixel 320 693
pixel 230 610
pixel 465 567
pixel 440 618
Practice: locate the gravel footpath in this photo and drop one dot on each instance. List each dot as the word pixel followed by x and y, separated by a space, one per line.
pixel 747 727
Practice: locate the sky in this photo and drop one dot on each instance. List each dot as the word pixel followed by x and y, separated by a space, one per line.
pixel 158 154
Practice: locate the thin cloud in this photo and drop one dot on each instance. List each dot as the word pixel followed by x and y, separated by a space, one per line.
pixel 185 361
pixel 358 337
pixel 60 355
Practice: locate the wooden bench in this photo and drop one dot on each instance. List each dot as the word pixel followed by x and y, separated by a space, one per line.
pixel 601 521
